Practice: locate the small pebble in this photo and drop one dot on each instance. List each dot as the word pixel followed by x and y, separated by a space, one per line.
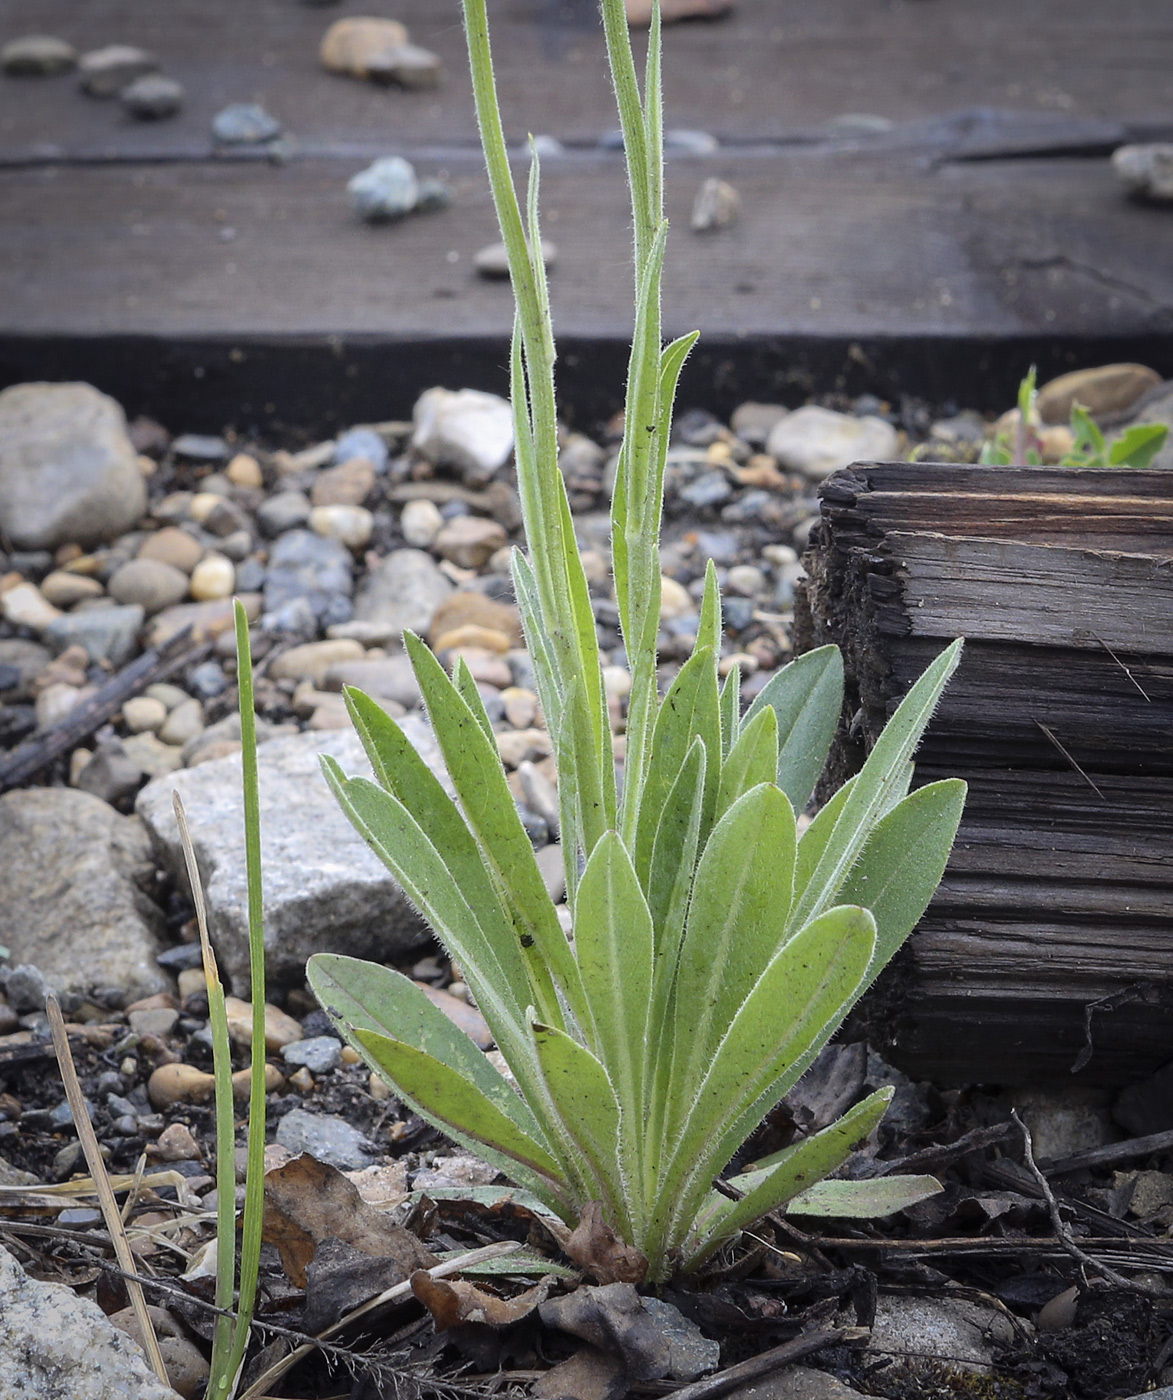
pixel 244 470
pixel 386 190
pixel 420 523
pixel 244 123
pixel 179 1083
pixel 183 723
pixel 213 577
pixel 37 56
pixel 280 1028
pixel 152 97
pixel 320 1054
pixel 64 589
pixel 492 261
pixel 716 206
pixel 350 525
pixel 105 72
pixel 142 714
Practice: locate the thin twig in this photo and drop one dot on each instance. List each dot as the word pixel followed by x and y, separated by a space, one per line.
pixel 110 1211
pixel 398 1294
pixel 710 1387
pixel 1062 1232
pixel 1122 666
pixel 1050 735
pixel 1114 1152
pixel 930 1157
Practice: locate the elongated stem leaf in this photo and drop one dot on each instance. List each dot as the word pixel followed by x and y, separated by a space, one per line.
pixel 807 696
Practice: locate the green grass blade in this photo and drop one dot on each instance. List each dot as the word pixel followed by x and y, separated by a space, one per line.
pixel 807 696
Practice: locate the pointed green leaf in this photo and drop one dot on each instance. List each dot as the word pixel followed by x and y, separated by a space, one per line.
pixel 903 862
pixel 795 1007
pixel 808 696
pixel 736 920
pixel 1137 446
pixel 613 942
pixel 864 1200
pixel 360 995
pixel 708 632
pixel 731 712
pixel 674 854
pixel 588 1114
pixel 470 693
pixel 752 760
pixel 479 779
pixel 445 1097
pixel 883 775
pixel 771 1184
pixel 691 708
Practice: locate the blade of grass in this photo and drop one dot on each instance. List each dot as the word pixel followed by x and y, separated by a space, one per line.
pixel 109 1206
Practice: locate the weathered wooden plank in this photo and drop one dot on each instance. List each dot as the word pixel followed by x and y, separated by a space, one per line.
pixel 775 70
pixel 1058 894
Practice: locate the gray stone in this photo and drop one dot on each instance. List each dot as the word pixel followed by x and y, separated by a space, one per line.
pixel 690 1353
pixel 244 124
pixel 324 889
pixel 716 206
pixel 37 56
pixel 72 875
pixel 112 774
pixel 364 443
pixel 105 72
pixel 403 593
pixel 709 489
pixel 201 447
pixel 25 988
pixel 329 1139
pixel 150 583
pixel 22 662
pixel 56 1345
pixel 960 1333
pixel 152 97
pixel 386 190
pixel 408 66
pixel 492 260
pixel 466 429
pixel 1146 170
pixel 1064 1120
pixel 285 510
pixel 384 678
pixel 319 1054
pixel 753 422
pixel 305 565
pixel 108 634
pixel 795 1383
pixel 818 441
pixel 68 471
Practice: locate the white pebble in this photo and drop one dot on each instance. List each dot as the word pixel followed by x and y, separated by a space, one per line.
pixel 213 577
pixel 143 714
pixel 350 525
pixel 420 523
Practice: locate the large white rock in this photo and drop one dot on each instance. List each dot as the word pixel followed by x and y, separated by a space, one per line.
pixel 324 890
pixel 68 471
pixel 72 901
pixel 55 1345
pixel 818 441
pixel 465 429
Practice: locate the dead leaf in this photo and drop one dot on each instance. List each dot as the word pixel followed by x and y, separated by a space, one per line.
pixel 307 1201
pixel 590 1374
pixel 453 1302
pixel 598 1251
pixel 339 1279
pixel 617 1320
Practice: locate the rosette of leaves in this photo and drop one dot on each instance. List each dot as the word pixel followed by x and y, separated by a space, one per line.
pixel 713 950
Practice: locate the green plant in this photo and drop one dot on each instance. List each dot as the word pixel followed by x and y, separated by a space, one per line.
pixel 1135 447
pixel 714 953
pixel 230 1338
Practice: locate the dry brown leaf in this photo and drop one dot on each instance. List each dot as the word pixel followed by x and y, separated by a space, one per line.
pixel 598 1251
pixel 455 1302
pixel 307 1201
pixel 589 1374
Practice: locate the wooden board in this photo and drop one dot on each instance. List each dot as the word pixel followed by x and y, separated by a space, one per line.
pixel 1058 901
pixel 944 228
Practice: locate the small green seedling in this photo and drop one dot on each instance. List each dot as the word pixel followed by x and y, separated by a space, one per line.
pixel 1135 447
pixel 714 952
